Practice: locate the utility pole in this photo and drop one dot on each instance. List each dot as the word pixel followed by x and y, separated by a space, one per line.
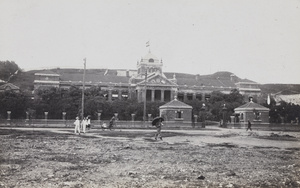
pixel 83 88
pixel 145 96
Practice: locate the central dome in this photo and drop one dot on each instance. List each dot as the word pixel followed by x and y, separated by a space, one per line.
pixel 150 58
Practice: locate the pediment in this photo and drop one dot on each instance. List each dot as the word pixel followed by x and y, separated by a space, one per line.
pixel 157 80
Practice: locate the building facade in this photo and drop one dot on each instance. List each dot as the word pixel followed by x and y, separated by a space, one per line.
pixel 148 82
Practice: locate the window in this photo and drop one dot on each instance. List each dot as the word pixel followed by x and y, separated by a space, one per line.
pixel 151 60
pixel 256 114
pixel 189 96
pixel 178 114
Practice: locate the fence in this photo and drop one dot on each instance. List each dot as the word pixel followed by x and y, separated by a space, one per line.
pixel 97 123
pixel 267 126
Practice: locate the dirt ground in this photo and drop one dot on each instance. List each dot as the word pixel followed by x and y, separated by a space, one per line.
pixel 132 158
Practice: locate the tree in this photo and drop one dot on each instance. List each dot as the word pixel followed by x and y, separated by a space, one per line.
pixel 196 105
pixel 217 100
pixel 17 103
pixel 8 69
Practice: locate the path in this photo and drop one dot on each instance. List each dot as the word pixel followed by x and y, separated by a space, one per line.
pixel 238 137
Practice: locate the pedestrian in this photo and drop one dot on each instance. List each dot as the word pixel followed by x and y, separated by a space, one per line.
pixel 77 125
pixel 83 124
pixel 158 126
pixel 112 122
pixel 88 124
pixel 249 125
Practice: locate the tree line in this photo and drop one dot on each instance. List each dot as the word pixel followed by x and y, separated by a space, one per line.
pixel 55 101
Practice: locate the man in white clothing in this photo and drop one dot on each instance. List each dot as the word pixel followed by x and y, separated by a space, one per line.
pixel 84 123
pixel 77 125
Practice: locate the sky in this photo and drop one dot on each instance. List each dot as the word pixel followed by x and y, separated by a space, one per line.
pixel 254 39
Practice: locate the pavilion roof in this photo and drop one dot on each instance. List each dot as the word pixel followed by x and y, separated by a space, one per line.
pixel 250 106
pixel 11 86
pixel 176 104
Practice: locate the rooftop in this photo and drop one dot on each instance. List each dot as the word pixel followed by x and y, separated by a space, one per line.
pixel 176 104
pixel 251 106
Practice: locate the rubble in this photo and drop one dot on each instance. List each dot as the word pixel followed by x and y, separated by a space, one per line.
pixel 91 161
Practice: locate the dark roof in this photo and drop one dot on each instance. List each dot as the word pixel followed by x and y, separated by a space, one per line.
pixel 47 72
pixel 176 104
pixel 76 77
pixel 218 79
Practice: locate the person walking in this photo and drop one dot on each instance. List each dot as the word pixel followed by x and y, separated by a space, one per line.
pixel 112 122
pixel 249 125
pixel 83 124
pixel 88 123
pixel 158 126
pixel 77 125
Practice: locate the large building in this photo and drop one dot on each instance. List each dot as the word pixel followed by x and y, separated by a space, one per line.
pixel 160 86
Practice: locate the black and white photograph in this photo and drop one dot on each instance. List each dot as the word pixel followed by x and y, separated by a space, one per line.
pixel 149 93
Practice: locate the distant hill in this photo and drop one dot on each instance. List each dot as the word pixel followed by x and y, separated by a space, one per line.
pixel 283 89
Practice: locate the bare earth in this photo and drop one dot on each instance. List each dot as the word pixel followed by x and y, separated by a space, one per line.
pixel 132 158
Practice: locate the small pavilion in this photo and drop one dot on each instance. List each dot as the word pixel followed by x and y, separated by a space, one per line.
pixel 176 110
pixel 254 112
pixel 9 87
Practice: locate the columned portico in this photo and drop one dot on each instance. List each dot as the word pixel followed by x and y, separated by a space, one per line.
pixel 152 95
pixel 155 94
pixel 162 97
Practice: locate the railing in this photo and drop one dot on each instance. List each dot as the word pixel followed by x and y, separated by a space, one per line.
pixel 55 123
pixel 266 126
pixel 97 124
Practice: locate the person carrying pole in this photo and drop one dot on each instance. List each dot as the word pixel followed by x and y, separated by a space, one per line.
pixel 158 126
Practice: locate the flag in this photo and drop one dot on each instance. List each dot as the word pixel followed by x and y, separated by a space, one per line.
pixel 147 44
pixel 268 100
pixel 16 72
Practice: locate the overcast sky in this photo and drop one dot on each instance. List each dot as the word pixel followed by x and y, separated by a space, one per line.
pixel 254 39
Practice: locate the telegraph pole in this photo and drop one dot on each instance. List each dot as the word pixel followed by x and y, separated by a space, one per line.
pixel 83 88
pixel 145 96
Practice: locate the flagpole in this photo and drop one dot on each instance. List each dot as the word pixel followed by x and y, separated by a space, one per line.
pixel 83 88
pixel 145 99
pixel 148 45
pixel 145 95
